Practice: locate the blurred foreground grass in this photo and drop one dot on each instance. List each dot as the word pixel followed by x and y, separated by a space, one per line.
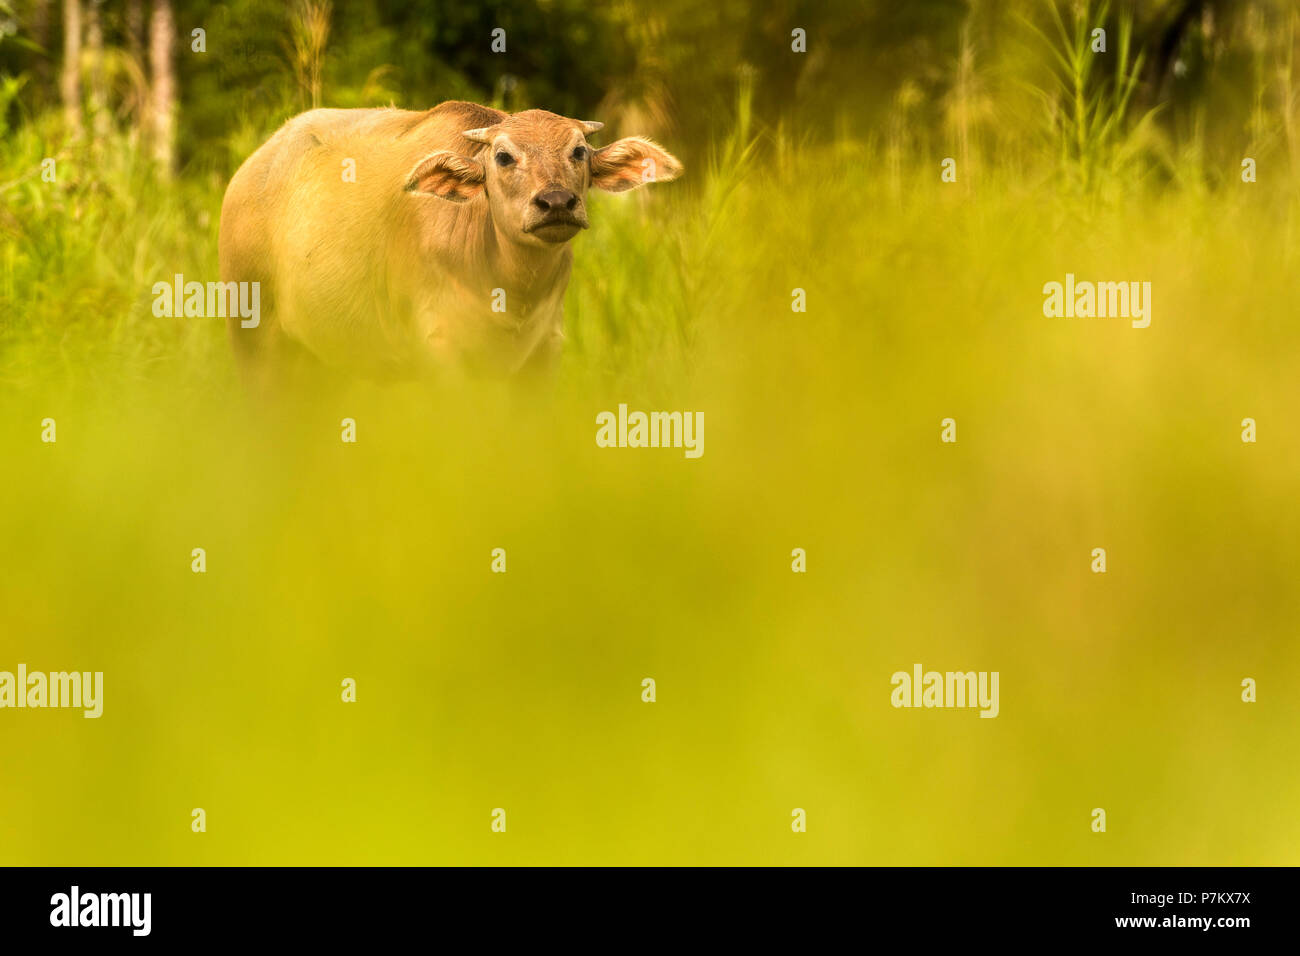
pixel 522 691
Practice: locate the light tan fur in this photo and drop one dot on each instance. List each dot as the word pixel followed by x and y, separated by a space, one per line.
pixel 394 274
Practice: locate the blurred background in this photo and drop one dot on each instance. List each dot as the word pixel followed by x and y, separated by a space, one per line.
pixel 813 136
pixel 922 75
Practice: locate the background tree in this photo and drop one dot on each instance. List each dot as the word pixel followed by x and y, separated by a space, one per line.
pixel 70 78
pixel 41 68
pixel 98 100
pixel 162 108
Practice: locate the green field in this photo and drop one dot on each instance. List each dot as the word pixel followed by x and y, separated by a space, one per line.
pixel 476 690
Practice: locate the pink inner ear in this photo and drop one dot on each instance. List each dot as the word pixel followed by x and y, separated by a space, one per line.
pixel 424 179
pixel 620 179
pixel 445 182
pixel 623 170
pixel 436 180
pixel 447 187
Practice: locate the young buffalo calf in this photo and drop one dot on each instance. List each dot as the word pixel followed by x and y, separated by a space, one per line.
pixel 386 242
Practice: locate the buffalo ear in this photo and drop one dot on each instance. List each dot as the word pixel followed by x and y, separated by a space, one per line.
pixel 631 162
pixel 449 176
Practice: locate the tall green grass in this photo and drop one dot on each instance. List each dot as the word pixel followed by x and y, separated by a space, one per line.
pixel 476 690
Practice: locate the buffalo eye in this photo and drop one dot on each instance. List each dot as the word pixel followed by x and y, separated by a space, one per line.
pixel 505 159
pixel 579 154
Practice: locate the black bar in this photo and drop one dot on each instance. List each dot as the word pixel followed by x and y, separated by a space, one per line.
pixel 375 905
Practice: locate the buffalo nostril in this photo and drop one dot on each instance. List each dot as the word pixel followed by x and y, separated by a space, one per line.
pixel 555 199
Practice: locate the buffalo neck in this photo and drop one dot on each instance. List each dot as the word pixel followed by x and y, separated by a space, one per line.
pixel 475 257
pixel 527 271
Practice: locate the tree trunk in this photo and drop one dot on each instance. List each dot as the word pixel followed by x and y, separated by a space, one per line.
pixel 162 37
pixel 135 30
pixel 133 27
pixel 99 118
pixel 41 37
pixel 70 81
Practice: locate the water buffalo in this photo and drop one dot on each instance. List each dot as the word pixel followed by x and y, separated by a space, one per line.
pixel 387 242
